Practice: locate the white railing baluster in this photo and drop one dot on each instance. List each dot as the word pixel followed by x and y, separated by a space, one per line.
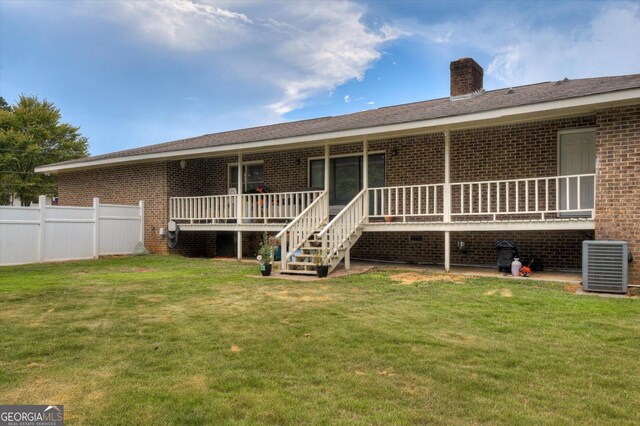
pixel 507 198
pixel 568 197
pixel 404 204
pixel 578 192
pixel 426 197
pixel 411 199
pixel 396 205
pixel 435 200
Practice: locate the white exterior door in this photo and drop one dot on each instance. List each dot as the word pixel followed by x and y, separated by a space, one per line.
pixel 577 152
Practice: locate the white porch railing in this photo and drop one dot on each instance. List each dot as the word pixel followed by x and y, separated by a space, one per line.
pixel 562 196
pixel 572 195
pixel 339 231
pixel 210 207
pixel 254 207
pixel 406 201
pixel 294 235
pixel 279 205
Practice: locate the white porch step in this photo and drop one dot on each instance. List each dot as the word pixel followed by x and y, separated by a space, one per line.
pixel 298 272
pixel 297 263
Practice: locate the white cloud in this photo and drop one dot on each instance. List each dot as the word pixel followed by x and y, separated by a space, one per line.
pixel 608 45
pixel 524 50
pixel 347 98
pixel 301 48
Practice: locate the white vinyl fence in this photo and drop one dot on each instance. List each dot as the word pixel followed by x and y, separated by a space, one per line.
pixel 53 233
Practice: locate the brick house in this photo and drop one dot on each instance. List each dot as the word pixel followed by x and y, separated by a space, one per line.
pixel 545 165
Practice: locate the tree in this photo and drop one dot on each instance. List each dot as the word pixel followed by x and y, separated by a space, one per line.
pixel 4 106
pixel 32 135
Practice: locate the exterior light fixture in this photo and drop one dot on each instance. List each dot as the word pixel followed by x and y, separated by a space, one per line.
pixel 183 164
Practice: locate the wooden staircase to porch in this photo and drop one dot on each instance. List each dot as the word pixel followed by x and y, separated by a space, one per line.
pixel 303 263
pixel 332 241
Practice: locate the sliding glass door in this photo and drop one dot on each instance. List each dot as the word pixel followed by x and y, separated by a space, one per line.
pixel 345 178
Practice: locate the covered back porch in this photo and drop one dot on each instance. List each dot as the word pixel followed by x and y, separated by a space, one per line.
pixel 421 185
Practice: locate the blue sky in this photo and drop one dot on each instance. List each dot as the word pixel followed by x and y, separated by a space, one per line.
pixel 133 73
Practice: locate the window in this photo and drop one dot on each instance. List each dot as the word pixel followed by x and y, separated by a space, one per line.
pixel 576 156
pixel 252 178
pixel 345 179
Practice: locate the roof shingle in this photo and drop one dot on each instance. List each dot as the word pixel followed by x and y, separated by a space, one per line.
pixel 418 111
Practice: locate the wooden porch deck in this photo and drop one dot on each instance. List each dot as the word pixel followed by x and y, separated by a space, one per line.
pixel 416 226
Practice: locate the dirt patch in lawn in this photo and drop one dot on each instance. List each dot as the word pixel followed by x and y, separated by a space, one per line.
pixel 504 292
pixel 461 339
pixel 155 298
pixel 297 297
pixel 571 288
pixel 134 269
pixel 409 278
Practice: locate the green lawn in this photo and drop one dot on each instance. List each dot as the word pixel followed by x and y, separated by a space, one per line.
pixel 168 340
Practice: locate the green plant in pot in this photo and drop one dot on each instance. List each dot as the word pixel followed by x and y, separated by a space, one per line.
pixel 321 260
pixel 265 255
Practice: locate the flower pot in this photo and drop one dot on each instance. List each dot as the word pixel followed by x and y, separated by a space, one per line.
pixel 322 270
pixel 388 219
pixel 265 270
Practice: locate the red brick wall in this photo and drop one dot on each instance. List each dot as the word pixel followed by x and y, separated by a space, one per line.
pixel 510 152
pixel 500 152
pixel 618 181
pixel 556 249
pixel 123 185
pixel 466 76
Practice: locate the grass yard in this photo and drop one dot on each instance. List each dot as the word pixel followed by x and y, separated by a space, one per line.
pixel 168 340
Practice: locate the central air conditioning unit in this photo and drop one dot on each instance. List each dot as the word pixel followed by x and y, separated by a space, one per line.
pixel 605 266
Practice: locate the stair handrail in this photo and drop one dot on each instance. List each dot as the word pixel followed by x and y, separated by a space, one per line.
pixel 343 225
pixel 293 236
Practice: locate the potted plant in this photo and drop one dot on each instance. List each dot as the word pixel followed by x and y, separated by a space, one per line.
pixel 321 262
pixel 265 255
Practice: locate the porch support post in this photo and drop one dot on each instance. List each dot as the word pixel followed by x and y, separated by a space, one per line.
pixel 327 176
pixel 239 191
pixel 447 199
pixel 365 177
pixel 347 257
pixel 447 177
pixel 239 204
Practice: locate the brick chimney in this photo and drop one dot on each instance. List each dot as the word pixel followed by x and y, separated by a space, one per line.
pixel 466 77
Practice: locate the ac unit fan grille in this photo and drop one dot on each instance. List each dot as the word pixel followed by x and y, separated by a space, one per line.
pixel 605 267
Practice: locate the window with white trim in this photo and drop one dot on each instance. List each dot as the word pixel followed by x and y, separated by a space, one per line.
pixel 252 177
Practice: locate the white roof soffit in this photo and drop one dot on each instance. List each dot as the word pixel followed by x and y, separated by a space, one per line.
pixel 539 111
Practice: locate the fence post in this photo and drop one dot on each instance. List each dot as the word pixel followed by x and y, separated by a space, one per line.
pixel 96 227
pixel 141 204
pixel 42 205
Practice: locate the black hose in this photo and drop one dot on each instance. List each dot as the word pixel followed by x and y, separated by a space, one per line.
pixel 172 238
